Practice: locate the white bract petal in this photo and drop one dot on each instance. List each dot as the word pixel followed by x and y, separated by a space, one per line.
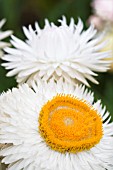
pixel 20 111
pixel 2 36
pixel 57 51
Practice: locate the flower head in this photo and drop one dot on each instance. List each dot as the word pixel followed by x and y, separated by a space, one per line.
pixel 2 36
pixel 54 52
pixel 59 129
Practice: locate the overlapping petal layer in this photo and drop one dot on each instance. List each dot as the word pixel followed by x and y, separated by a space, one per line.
pixel 26 149
pixel 57 51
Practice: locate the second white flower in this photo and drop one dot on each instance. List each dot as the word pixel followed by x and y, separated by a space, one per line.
pixel 54 52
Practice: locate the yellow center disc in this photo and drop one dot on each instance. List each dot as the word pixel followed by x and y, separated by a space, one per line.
pixel 68 124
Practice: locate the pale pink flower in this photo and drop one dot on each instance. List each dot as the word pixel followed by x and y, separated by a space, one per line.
pixel 104 8
pixel 96 21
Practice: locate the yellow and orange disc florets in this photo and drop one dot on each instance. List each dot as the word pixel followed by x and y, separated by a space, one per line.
pixel 68 124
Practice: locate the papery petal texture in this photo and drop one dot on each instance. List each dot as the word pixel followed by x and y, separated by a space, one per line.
pixel 27 150
pixel 3 34
pixel 57 51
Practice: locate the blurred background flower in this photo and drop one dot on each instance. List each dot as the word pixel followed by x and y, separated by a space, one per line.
pixel 22 13
pixel 103 21
pixel 109 37
pixel 104 9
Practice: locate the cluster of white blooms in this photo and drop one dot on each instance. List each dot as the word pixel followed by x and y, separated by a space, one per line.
pixel 51 122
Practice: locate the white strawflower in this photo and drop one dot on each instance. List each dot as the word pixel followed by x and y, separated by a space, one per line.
pixel 54 52
pixel 2 36
pixel 55 127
